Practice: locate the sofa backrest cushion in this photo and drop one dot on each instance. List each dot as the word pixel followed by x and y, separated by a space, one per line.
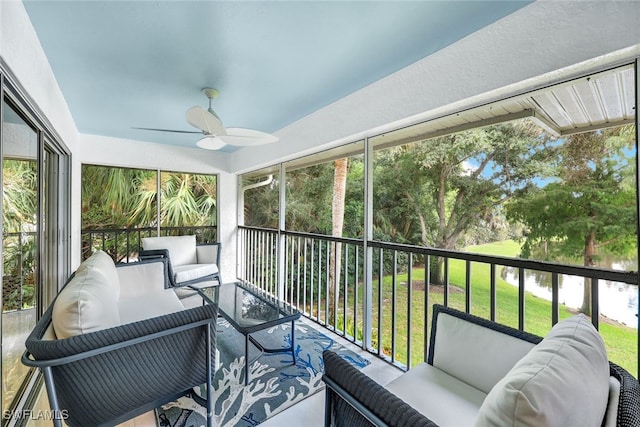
pixel 103 262
pixel 473 353
pixel 182 249
pixel 208 253
pixel 563 381
pixel 88 302
pixel 141 278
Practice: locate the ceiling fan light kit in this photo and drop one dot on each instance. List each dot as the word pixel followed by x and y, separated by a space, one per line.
pixel 211 143
pixel 216 135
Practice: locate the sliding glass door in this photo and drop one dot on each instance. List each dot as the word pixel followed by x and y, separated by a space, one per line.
pixel 21 229
pixel 35 236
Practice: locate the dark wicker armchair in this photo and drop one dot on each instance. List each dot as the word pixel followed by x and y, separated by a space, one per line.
pixel 355 400
pixel 109 376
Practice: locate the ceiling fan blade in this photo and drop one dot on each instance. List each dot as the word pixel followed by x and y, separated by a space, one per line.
pixel 211 142
pixel 167 130
pixel 247 137
pixel 205 121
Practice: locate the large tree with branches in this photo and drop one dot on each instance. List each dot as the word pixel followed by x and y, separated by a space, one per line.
pixel 447 185
pixel 588 206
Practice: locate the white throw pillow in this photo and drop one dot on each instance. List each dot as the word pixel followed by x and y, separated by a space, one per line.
pixel 563 381
pixel 86 304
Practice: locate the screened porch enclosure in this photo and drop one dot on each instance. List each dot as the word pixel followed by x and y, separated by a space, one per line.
pixel 375 286
pixel 370 279
pixel 395 252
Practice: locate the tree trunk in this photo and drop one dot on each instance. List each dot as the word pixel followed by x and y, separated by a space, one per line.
pixel 589 255
pixel 436 271
pixel 337 220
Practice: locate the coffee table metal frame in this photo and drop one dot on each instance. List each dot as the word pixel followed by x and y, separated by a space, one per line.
pixel 285 313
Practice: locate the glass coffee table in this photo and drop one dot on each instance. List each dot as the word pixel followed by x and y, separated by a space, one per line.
pixel 249 309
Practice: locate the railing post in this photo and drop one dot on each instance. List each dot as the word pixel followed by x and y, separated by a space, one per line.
pixel 467 283
pixel 409 308
pixel 494 292
pixel 521 299
pixel 427 263
pixel 595 306
pixel 555 298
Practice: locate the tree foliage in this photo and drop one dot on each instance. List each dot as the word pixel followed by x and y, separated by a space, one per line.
pixel 309 199
pixel 20 226
pixel 478 186
pixel 433 192
pixel 19 195
pixel 125 198
pixel 588 206
pixel 588 209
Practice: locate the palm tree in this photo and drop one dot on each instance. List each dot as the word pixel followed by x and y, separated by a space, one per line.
pixel 341 167
pixel 121 198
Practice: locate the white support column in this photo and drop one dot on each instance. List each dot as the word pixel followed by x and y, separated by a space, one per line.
pixel 227 224
pixel 158 199
pixel 368 236
pixel 240 249
pixel 281 227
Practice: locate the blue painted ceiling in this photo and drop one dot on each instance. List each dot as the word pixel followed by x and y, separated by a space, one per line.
pixel 126 64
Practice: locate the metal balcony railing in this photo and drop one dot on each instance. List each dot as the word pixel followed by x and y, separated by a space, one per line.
pixel 383 292
pixel 123 244
pixel 19 270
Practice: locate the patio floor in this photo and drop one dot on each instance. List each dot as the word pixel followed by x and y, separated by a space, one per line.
pixel 309 412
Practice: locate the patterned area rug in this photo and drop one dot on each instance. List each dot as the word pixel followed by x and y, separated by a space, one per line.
pixel 275 383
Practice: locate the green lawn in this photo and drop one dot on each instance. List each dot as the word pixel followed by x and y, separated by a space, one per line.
pixel 621 341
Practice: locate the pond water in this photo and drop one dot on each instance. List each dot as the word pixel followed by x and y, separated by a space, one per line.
pixel 618 301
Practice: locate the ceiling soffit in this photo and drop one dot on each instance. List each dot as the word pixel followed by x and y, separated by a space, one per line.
pixel 600 100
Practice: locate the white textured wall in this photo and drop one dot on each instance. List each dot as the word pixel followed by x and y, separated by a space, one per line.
pixel 123 152
pixel 21 51
pixel 516 53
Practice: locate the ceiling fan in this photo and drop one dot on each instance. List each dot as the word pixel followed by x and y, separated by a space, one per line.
pixel 216 136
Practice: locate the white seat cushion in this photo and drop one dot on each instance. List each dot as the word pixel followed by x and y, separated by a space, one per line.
pixel 187 272
pixel 86 304
pixel 182 249
pixel 563 381
pixel 442 398
pixel 146 306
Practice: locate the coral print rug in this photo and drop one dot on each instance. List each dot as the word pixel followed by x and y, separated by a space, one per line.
pixel 275 383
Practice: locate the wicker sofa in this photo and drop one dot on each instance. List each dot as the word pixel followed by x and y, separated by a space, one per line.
pixel 481 373
pixel 117 342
